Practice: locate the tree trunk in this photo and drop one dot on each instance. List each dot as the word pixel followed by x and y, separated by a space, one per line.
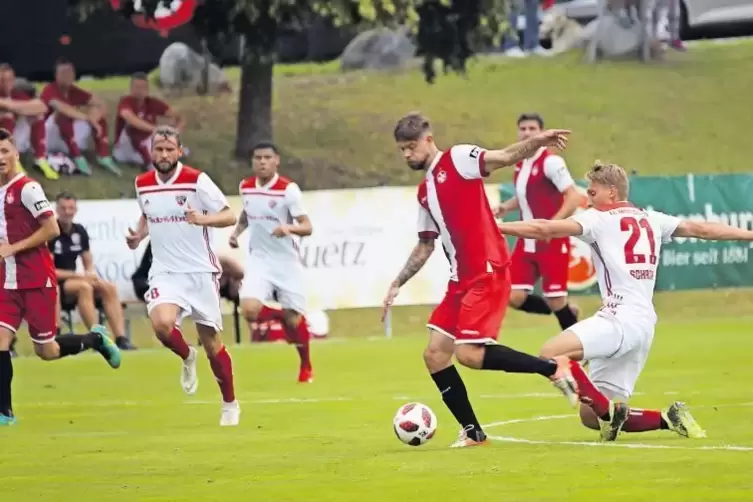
pixel 254 107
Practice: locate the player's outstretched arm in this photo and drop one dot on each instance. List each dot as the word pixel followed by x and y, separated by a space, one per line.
pixel 711 231
pixel 541 229
pixel 497 159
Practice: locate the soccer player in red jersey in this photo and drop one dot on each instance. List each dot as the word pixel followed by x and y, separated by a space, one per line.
pixel 179 207
pixel 453 206
pixel 544 189
pixel 27 276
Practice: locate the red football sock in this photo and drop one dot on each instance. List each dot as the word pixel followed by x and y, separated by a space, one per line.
pixel 222 367
pixel 268 314
pixel 302 343
pixel 177 344
pixel 39 138
pixel 589 394
pixel 65 126
pixel 643 420
pixel 101 143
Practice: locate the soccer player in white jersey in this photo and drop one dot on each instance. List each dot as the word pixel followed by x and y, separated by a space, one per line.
pixel 626 242
pixel 274 214
pixel 179 206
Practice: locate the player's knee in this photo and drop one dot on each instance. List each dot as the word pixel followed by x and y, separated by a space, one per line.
pixel 556 303
pixel 436 358
pixel 588 418
pixel 291 318
pixel 84 292
pixel 46 351
pixel 108 289
pixel 548 351
pixel 163 326
pixel 470 355
pixel 250 310
pixel 517 298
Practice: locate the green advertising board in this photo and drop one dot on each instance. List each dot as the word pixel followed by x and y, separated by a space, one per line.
pixel 691 263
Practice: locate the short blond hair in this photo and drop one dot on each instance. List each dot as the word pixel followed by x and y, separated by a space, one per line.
pixel 610 175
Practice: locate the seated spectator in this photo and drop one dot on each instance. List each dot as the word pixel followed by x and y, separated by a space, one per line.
pixel 83 290
pixel 74 117
pixel 138 113
pixel 22 113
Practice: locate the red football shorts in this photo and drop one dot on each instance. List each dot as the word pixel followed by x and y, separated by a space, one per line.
pixel 36 306
pixel 473 313
pixel 550 262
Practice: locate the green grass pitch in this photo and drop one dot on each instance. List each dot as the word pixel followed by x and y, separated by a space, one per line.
pixel 86 432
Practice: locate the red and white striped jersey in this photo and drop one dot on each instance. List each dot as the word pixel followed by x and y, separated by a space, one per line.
pixel 23 205
pixel 453 205
pixel 179 246
pixel 626 243
pixel 268 206
pixel 539 182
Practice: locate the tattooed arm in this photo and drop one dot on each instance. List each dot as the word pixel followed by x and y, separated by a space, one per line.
pixel 497 159
pixel 418 257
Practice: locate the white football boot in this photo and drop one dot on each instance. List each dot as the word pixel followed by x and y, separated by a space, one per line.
pixel 189 379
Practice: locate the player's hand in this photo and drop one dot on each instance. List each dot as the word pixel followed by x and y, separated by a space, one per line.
pixel 6 250
pixel 556 138
pixel 281 231
pixel 233 241
pixel 389 299
pixel 133 238
pixel 501 211
pixel 194 217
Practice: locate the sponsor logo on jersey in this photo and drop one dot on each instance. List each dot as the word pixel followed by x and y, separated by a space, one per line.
pixel 581 271
pixel 41 204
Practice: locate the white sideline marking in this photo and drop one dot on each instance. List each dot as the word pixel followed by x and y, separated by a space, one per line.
pixel 509 439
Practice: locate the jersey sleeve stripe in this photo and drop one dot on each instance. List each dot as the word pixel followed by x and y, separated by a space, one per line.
pixel 428 235
pixel 251 191
pixel 482 164
pixel 172 188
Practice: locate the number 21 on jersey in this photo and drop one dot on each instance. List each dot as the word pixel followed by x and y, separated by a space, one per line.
pixel 638 227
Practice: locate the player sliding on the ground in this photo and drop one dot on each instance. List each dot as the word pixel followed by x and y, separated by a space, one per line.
pixel 179 205
pixel 453 206
pixel 28 289
pixel 274 214
pixel 626 242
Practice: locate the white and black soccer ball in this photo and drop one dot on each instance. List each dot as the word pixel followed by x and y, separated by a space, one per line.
pixel 61 163
pixel 414 424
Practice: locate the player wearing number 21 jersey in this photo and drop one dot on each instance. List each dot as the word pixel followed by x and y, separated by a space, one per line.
pixel 179 206
pixel 453 207
pixel 626 243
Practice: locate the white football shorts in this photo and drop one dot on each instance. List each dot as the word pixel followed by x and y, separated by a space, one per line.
pixel 197 295
pixel 616 350
pixel 264 281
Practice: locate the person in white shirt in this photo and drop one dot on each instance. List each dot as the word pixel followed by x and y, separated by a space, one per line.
pixel 274 214
pixel 626 243
pixel 179 206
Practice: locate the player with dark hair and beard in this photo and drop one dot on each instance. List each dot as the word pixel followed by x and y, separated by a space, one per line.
pixel 453 206
pixel 179 206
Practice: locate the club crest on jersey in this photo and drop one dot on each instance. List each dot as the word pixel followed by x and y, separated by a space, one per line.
pixel 180 199
pixel 9 198
pixel 441 177
pixel 272 203
pixel 535 171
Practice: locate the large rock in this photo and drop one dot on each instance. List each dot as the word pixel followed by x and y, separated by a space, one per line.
pixel 181 69
pixel 378 49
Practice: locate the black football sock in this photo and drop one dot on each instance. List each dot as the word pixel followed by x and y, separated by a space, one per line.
pixel 501 358
pixel 6 377
pixel 455 397
pixel 566 317
pixel 663 425
pixel 73 344
pixel 535 304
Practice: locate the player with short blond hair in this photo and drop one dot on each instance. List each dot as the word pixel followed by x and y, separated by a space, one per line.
pixel 626 242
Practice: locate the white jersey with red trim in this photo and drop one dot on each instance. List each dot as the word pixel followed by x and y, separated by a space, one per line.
pixel 268 206
pixel 626 243
pixel 179 246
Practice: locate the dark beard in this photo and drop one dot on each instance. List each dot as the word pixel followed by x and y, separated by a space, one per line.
pixel 417 167
pixel 163 170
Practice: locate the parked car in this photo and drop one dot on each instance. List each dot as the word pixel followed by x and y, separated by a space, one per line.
pixel 695 14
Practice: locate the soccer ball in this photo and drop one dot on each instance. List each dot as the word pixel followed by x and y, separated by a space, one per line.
pixel 414 424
